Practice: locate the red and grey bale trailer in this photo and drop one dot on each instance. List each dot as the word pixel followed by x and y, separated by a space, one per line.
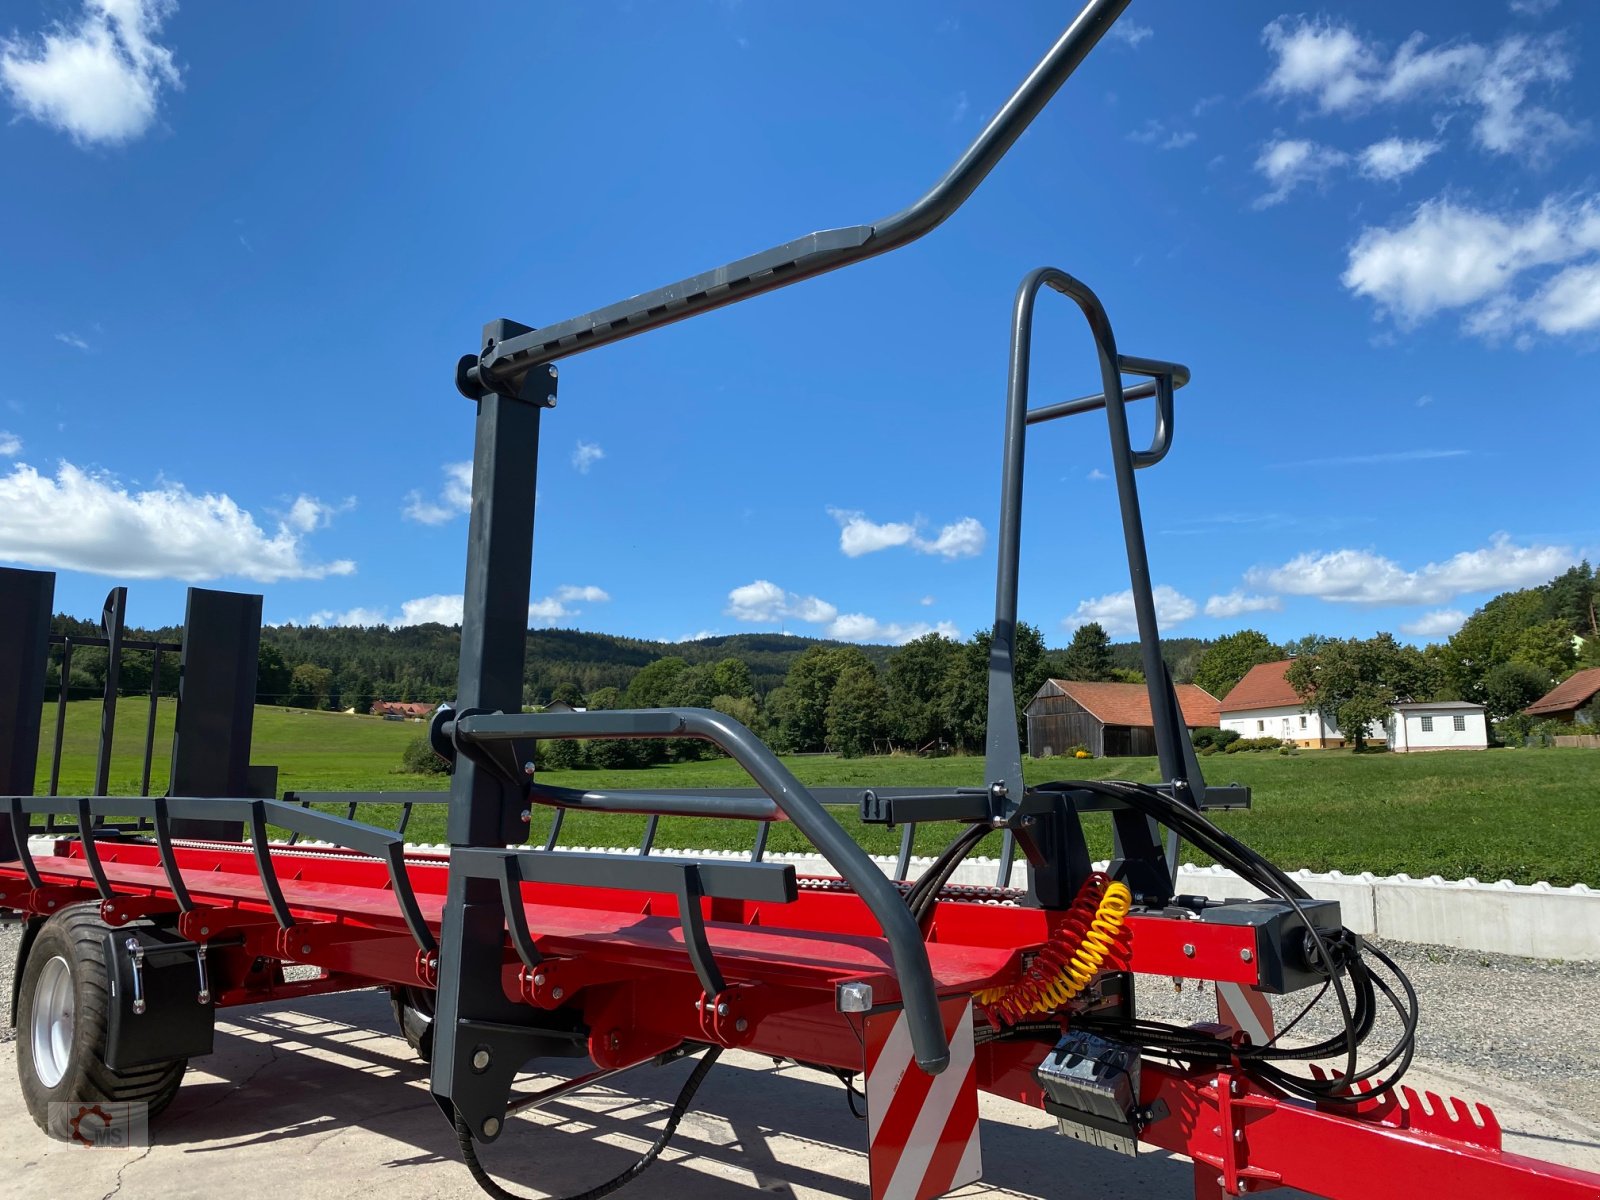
pixel 144 915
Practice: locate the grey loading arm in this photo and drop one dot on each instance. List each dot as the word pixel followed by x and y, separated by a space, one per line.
pixel 500 366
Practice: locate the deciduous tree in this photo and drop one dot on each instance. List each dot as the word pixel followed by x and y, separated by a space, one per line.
pixel 1227 660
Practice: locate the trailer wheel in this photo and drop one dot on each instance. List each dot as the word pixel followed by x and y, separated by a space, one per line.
pixel 61 1028
pixel 413 1013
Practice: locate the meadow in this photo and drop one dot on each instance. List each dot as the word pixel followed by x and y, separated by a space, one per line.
pixel 1523 815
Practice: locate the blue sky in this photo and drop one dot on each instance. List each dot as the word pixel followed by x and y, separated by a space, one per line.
pixel 243 248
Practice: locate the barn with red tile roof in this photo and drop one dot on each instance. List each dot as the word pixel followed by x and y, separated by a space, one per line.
pixel 1111 719
pixel 1564 700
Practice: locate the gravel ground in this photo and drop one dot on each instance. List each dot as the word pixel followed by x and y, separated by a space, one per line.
pixel 1531 1025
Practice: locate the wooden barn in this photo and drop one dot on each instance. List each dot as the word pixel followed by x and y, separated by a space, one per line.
pixel 1112 719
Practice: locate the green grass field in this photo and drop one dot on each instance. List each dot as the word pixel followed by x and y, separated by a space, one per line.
pixel 1522 815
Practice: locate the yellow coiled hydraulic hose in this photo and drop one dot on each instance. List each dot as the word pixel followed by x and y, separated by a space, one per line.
pixel 1092 938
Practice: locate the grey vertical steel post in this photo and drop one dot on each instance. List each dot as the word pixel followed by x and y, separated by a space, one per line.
pixel 150 720
pixel 485 810
pixel 1124 463
pixel 113 617
pixel 1002 750
pixel 216 705
pixel 26 598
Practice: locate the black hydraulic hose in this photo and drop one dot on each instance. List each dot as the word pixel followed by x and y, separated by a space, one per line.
pixel 1358 1019
pixel 484 1180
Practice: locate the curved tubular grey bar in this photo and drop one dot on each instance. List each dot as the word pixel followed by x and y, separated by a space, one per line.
pixel 500 367
pixel 900 929
pixel 1002 752
pixel 659 804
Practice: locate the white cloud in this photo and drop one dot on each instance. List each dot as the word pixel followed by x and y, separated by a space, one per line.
pixel 1533 8
pixel 961 539
pixel 960 108
pixel 927 602
pixel 1379 458
pixel 1396 157
pixel 98 79
pixel 1342 72
pixel 1156 133
pixel 1114 611
pixel 765 602
pixel 87 521
pixel 1237 603
pixel 1130 33
pixel 1096 475
pixel 308 514
pixel 586 455
pixel 1289 162
pixel 858 535
pixel 454 499
pixel 1451 256
pixel 1364 577
pixel 446 610
pixel 1442 622
pixel 10 444
pixel 858 627
pixel 73 340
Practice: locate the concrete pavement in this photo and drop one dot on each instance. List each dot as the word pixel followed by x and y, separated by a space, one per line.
pixel 320 1098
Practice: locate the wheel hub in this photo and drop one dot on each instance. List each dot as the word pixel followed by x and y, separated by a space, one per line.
pixel 53 1020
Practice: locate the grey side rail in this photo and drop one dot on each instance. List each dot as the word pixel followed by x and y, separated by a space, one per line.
pixel 501 366
pixel 787 794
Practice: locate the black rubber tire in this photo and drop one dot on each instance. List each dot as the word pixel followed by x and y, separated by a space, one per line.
pixel 413 1013
pixel 78 936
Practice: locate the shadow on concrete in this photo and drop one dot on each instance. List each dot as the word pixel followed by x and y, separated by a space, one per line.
pixel 327 1069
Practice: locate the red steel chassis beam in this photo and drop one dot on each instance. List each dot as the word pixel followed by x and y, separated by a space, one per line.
pixel 618 957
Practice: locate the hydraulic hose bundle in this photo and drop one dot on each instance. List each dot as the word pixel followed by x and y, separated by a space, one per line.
pixel 1091 938
pixel 1341 956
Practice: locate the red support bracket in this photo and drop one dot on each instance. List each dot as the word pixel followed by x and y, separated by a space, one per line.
pixel 1237 1104
pixel 50 899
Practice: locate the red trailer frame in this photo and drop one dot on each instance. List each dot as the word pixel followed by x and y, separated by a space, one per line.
pixel 617 958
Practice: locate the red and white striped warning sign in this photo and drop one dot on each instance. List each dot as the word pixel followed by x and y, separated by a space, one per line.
pixel 922 1129
pixel 1247 1010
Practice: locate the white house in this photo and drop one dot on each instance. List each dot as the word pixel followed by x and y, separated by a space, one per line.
pixel 1262 704
pixel 1442 725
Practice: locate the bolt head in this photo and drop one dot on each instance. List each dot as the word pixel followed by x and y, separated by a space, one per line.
pixel 1238 1135
pixel 558 993
pixel 526 816
pixel 741 1025
pixel 306 949
pixel 538 980
pixel 480 1060
pixel 527 767
pixel 205 931
pixel 1188 949
pixel 552 369
pixel 491 1127
pixel 1246 955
